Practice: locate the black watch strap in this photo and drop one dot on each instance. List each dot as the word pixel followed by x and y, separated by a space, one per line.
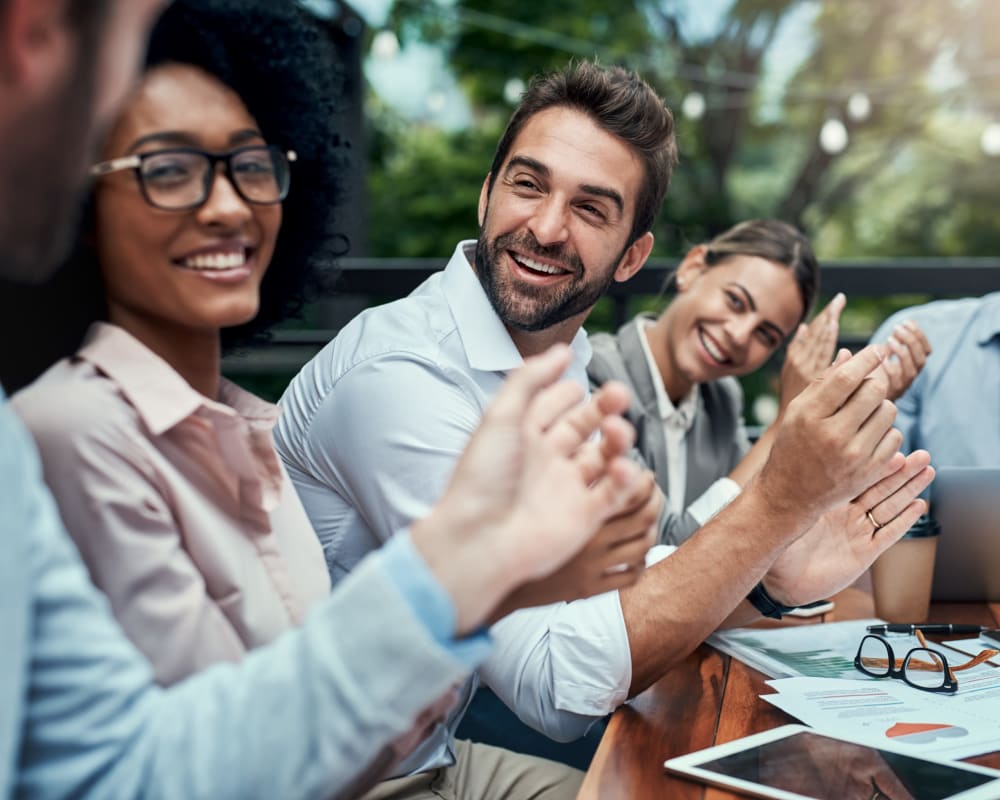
pixel 765 604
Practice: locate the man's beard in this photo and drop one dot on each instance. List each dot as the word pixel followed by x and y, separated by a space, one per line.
pixel 42 179
pixel 527 307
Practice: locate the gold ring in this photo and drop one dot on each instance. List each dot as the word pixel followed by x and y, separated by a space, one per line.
pixel 871 519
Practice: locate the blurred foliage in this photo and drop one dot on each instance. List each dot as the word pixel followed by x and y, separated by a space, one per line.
pixel 912 181
pixel 423 185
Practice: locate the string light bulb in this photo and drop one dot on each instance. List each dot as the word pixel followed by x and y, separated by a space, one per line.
pixel 693 105
pixel 989 141
pixel 833 137
pixel 859 107
pixel 512 90
pixel 385 45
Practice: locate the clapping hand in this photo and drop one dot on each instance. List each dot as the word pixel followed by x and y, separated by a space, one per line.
pixel 530 491
pixel 612 559
pixel 835 440
pixel 908 349
pixel 811 350
pixel 846 541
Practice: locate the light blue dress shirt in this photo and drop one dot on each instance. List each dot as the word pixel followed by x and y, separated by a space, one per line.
pixel 370 432
pixel 952 409
pixel 309 716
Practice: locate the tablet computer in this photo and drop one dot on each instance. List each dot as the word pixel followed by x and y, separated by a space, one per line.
pixel 794 762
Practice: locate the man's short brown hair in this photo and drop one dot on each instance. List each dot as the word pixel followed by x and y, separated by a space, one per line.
pixel 619 102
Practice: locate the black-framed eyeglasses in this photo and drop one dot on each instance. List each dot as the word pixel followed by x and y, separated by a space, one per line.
pixel 922 667
pixel 181 178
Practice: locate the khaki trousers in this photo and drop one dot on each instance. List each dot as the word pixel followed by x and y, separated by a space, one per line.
pixel 483 772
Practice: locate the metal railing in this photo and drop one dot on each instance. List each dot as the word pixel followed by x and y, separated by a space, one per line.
pixel 364 281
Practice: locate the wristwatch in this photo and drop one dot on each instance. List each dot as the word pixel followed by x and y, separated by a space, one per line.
pixel 765 604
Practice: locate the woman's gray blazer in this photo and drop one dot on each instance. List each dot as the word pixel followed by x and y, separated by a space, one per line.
pixel 716 442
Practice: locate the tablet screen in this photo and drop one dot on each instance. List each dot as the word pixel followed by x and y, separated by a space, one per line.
pixel 831 769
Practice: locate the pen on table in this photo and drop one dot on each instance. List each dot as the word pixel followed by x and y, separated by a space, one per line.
pixel 932 627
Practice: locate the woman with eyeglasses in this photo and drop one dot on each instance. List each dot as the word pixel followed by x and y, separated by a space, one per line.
pixel 739 298
pixel 198 236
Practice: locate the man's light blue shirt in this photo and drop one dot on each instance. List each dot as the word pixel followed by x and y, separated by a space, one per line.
pixel 311 715
pixel 952 409
pixel 401 389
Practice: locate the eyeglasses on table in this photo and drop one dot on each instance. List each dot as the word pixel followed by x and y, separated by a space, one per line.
pixel 922 667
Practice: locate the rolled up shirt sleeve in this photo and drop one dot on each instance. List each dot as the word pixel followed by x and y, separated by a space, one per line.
pixel 562 666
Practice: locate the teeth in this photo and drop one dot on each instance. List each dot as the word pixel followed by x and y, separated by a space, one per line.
pixel 713 351
pixel 216 260
pixel 537 266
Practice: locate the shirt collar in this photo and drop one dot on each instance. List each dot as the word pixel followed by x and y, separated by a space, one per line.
pixel 487 343
pixel 160 396
pixel 988 324
pixel 684 411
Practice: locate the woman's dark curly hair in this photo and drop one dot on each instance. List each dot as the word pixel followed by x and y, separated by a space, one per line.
pixel 281 63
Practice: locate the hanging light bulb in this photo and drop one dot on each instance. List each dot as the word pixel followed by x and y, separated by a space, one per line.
pixel 693 105
pixel 859 107
pixel 833 137
pixel 766 408
pixel 512 90
pixel 385 45
pixel 990 139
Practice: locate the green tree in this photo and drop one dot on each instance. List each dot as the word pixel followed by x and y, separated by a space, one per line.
pixel 907 183
pixel 424 185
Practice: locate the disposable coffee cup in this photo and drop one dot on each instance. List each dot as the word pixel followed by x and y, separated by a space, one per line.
pixel 901 576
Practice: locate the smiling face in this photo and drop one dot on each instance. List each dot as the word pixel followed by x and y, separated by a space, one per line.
pixel 181 271
pixel 727 319
pixel 554 229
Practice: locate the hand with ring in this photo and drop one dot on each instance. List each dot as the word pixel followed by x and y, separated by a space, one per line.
pixel 872 520
pixel 842 544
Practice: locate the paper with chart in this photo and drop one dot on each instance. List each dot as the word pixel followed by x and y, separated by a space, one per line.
pixel 817 683
pixel 881 711
pixel 819 651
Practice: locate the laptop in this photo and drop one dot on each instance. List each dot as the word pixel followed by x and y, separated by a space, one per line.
pixel 965 501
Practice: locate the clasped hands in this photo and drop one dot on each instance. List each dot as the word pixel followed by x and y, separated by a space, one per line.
pixel 537 510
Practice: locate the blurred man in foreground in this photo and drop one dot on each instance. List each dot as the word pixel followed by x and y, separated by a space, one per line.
pixel 315 714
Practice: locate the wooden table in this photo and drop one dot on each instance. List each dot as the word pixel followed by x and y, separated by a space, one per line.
pixel 707 699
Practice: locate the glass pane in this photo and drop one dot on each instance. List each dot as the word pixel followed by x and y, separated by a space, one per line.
pixel 169 169
pixel 260 173
pixel 925 668
pixel 874 656
pixel 174 179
